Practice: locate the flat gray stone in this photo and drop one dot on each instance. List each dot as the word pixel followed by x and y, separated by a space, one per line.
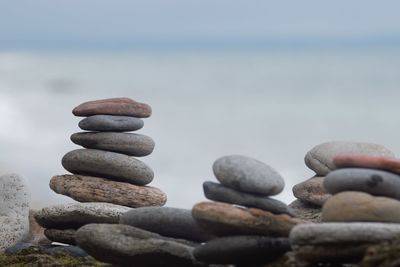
pixel 320 158
pixel 306 211
pixel 248 175
pixel 218 192
pixel 137 145
pixel 74 215
pixel 65 236
pixel 312 191
pixel 166 221
pixel 375 182
pixel 106 164
pixel 109 123
pixel 14 210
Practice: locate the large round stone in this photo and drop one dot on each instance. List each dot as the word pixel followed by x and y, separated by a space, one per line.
pixel 312 191
pixel 110 123
pixel 248 175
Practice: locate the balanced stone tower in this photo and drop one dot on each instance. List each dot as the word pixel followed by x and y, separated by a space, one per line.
pixel 106 178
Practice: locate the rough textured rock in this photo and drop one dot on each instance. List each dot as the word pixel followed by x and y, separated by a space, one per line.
pixel 94 189
pixel 320 158
pixel 375 182
pixel 242 249
pixel 312 191
pixel 306 211
pixel 124 244
pixel 223 219
pixel 137 145
pixel 370 162
pixel 218 192
pixel 36 232
pixel 113 106
pixel 110 123
pixel 108 164
pixel 74 215
pixel 361 207
pixel 166 221
pixel 386 254
pixel 65 236
pixel 248 175
pixel 14 210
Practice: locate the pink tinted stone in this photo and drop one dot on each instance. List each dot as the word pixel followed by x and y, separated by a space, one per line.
pixel 370 162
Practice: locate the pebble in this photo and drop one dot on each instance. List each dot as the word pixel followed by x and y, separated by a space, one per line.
pixel 94 189
pixel 320 158
pixel 375 182
pixel 248 175
pixel 113 106
pixel 73 251
pixel 306 211
pixel 108 164
pixel 218 192
pixel 362 207
pixel 166 221
pixel 241 249
pixel 223 219
pixel 110 123
pixel 137 145
pixel 65 236
pixel 370 162
pixel 312 191
pixel 14 210
pixel 18 247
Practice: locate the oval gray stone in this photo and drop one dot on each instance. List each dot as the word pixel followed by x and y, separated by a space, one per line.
pixel 137 145
pixel 106 164
pixel 218 192
pixel 248 175
pixel 375 182
pixel 320 158
pixel 65 236
pixel 110 123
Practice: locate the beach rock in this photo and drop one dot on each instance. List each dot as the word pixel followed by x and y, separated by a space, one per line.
pixel 65 236
pixel 166 221
pixel 241 249
pixel 385 254
pixel 223 219
pixel 124 245
pixel 72 251
pixel 361 207
pixel 108 164
pixel 375 182
pixel 20 246
pixel 14 210
pixel 218 192
pixel 370 162
pixel 74 215
pixel 94 189
pixel 137 145
pixel 248 175
pixel 306 211
pixel 113 106
pixel 36 232
pixel 110 123
pixel 312 191
pixel 320 158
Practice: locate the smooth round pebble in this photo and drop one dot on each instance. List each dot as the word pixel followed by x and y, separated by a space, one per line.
pixel 109 123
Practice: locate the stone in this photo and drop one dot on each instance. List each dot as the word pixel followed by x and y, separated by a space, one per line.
pixel 220 193
pixel 361 207
pixel 384 254
pixel 166 221
pixel 306 211
pixel 312 191
pixel 241 249
pixel 320 158
pixel 248 175
pixel 375 182
pixel 108 164
pixel 94 189
pixel 36 232
pixel 14 210
pixel 20 246
pixel 65 236
pixel 110 123
pixel 125 244
pixel 223 219
pixel 370 162
pixel 74 215
pixel 137 145
pixel 113 106
pixel 72 251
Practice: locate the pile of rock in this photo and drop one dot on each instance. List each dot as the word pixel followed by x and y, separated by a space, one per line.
pixel 252 230
pixel 106 173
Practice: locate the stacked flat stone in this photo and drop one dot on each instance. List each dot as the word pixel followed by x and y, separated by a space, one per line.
pixel 106 178
pixel 363 183
pixel 249 226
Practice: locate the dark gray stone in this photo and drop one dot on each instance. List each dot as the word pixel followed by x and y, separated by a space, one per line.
pixel 73 251
pixel 18 248
pixel 109 123
pixel 65 236
pixel 137 145
pixel 218 192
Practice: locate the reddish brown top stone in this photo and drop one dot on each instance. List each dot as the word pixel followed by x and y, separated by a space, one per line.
pixel 113 106
pixel 371 162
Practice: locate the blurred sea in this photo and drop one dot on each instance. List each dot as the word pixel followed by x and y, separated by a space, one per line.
pixel 272 105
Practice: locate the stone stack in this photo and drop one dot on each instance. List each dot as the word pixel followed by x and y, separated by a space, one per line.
pixel 106 175
pixel 250 227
